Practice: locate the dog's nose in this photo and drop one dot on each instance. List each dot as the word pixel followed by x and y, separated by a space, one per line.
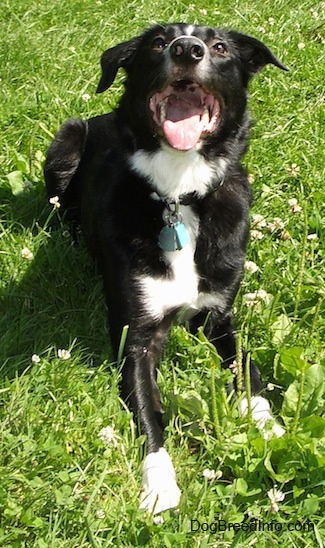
pixel 187 49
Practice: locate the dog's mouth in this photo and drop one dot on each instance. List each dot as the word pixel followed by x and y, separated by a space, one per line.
pixel 185 113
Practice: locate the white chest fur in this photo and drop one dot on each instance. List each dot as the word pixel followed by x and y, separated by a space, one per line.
pixel 173 173
pixel 160 295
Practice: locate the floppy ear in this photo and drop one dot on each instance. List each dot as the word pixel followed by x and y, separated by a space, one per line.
pixel 254 54
pixel 114 58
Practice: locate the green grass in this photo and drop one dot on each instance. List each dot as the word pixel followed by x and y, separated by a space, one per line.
pixel 61 485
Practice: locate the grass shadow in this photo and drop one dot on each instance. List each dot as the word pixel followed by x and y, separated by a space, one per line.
pixel 58 301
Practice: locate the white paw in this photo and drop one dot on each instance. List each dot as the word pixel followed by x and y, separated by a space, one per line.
pixel 261 414
pixel 160 491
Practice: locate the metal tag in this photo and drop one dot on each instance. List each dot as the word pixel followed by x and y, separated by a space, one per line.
pixel 182 235
pixel 173 237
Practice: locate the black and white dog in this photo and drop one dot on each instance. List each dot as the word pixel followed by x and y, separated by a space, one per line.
pixel 163 202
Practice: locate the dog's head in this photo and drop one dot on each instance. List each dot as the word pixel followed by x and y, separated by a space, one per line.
pixel 186 83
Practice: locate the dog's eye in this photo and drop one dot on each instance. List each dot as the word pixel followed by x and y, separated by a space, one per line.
pixel 158 44
pixel 220 47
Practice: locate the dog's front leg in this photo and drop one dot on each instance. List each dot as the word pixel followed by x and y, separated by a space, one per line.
pixel 140 390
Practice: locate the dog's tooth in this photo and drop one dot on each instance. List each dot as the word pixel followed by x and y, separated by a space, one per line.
pixel 205 117
pixel 163 113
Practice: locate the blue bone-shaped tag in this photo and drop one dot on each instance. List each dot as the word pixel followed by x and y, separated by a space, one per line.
pixel 173 237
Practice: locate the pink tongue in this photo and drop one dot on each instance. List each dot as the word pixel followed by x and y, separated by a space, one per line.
pixel 183 127
pixel 183 134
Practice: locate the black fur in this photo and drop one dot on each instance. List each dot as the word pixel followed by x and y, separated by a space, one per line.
pixel 88 167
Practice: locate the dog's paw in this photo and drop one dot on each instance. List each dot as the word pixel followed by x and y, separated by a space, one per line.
pixel 160 491
pixel 262 416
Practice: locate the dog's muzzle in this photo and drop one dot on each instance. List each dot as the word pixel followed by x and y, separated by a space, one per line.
pixel 187 49
pixel 185 112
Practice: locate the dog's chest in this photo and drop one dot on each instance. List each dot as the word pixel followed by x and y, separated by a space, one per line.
pixel 179 290
pixel 173 175
pixel 162 294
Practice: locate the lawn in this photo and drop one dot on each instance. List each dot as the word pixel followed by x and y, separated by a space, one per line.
pixel 69 456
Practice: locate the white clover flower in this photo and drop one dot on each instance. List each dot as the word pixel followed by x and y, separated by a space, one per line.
pixel 250 299
pixel 64 354
pixel 55 202
pixel 256 297
pixel 257 235
pixel 276 224
pixel 312 237
pixel 158 520
pixel 275 496
pixel 36 358
pixel 234 367
pixel 211 474
pixel 100 514
pixel 85 97
pixel 285 235
pixel 292 202
pixel 258 220
pixel 262 295
pixel 108 436
pixel 293 170
pixel 251 267
pixel 27 254
pixel 301 45
pixel 294 206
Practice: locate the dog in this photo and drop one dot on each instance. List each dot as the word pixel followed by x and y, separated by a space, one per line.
pixel 163 201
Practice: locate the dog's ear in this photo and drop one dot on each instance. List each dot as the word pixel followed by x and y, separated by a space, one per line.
pixel 114 58
pixel 254 54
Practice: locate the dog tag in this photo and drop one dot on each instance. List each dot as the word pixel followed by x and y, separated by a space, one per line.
pixel 173 237
pixel 167 238
pixel 182 235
